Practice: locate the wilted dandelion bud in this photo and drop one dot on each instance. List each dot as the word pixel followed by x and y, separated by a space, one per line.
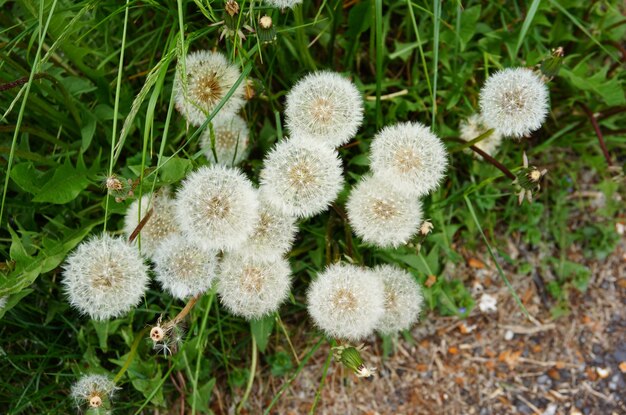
pixel 350 357
pixel 382 214
pixel 208 78
pixel 160 225
pixel 253 288
pixel 120 189
pixel 346 301
pixel 283 4
pixel 324 107
pixel 272 236
pixel 104 277
pixel 550 66
pixel 183 267
pixel 231 7
pixel 514 102
pixel 96 391
pixel 217 207
pixel 403 299
pixel 528 180
pixel 409 154
pixel 231 138
pixel 301 178
pixel 474 127
pixel 266 31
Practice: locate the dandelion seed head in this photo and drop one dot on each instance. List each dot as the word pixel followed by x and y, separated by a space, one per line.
pixel 514 102
pixel 474 127
pixel 217 207
pixel 382 214
pixel 161 224
pixel 183 267
pixel 346 301
pixel 104 277
pixel 301 178
pixel 231 141
pixel 403 299
pixel 93 390
pixel 283 4
pixel 324 107
pixel 408 154
pixel 251 287
pixel 209 77
pixel 273 234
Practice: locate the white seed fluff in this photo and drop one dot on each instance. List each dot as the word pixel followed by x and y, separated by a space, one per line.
pixel 105 277
pixel 183 267
pixel 91 386
pixel 300 177
pixel 410 154
pixel 324 107
pixel 253 288
pixel 208 78
pixel 162 222
pixel 231 141
pixel 273 234
pixel 382 214
pixel 403 299
pixel 346 301
pixel 472 128
pixel 282 4
pixel 514 101
pixel 217 207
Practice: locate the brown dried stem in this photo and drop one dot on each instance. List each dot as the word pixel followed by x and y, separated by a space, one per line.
pixel 596 127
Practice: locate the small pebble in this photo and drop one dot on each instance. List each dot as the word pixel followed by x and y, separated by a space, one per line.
pixel 508 335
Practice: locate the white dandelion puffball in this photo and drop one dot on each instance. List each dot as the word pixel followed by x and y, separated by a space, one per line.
pixel 325 107
pixel 346 301
pixel 474 127
pixel 300 177
pixel 208 78
pixel 105 277
pixel 217 206
pixel 382 214
pixel 231 141
pixel 514 102
pixel 273 234
pixel 183 267
pixel 93 390
pixel 253 288
pixel 283 4
pixel 403 299
pixel 409 154
pixel 160 225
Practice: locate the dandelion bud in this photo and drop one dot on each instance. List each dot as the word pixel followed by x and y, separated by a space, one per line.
pixel 217 207
pixel 253 288
pixel 473 128
pixel 230 139
pixel 94 390
pixel 426 228
pixel 382 214
pixel 301 178
pixel 410 155
pixel 104 277
pixel 266 31
pixel 346 301
pixel 114 184
pixel 208 78
pixel 324 107
pixel 160 225
pixel 232 7
pixel 350 357
pixel 550 67
pixel 514 102
pixel 528 178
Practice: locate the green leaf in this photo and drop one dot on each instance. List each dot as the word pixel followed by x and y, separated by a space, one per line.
pixel 26 176
pixel 65 185
pixel 203 396
pixel 175 169
pixel 469 18
pixel 261 330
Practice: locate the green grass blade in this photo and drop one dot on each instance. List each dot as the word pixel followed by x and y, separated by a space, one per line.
pixel 437 28
pixel 532 10
pixel 379 61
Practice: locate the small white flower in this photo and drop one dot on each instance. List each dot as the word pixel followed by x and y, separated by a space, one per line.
pixel 382 214
pixel 231 141
pixel 105 277
pixel 184 268
pixel 346 301
pixel 93 390
pixel 282 4
pixel 514 102
pixel 403 299
pixel 474 127
pixel 217 207
pixel 208 78
pixel 253 288
pixel 408 154
pixel 273 234
pixel 324 107
pixel 301 178
pixel 160 225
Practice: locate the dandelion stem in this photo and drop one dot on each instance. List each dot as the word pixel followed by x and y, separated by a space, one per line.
pixel 140 225
pixel 284 329
pixel 488 158
pixel 596 127
pixel 183 313
pixel 246 394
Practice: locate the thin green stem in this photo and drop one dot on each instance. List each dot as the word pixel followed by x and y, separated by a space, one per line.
pixel 131 354
pixel 246 394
